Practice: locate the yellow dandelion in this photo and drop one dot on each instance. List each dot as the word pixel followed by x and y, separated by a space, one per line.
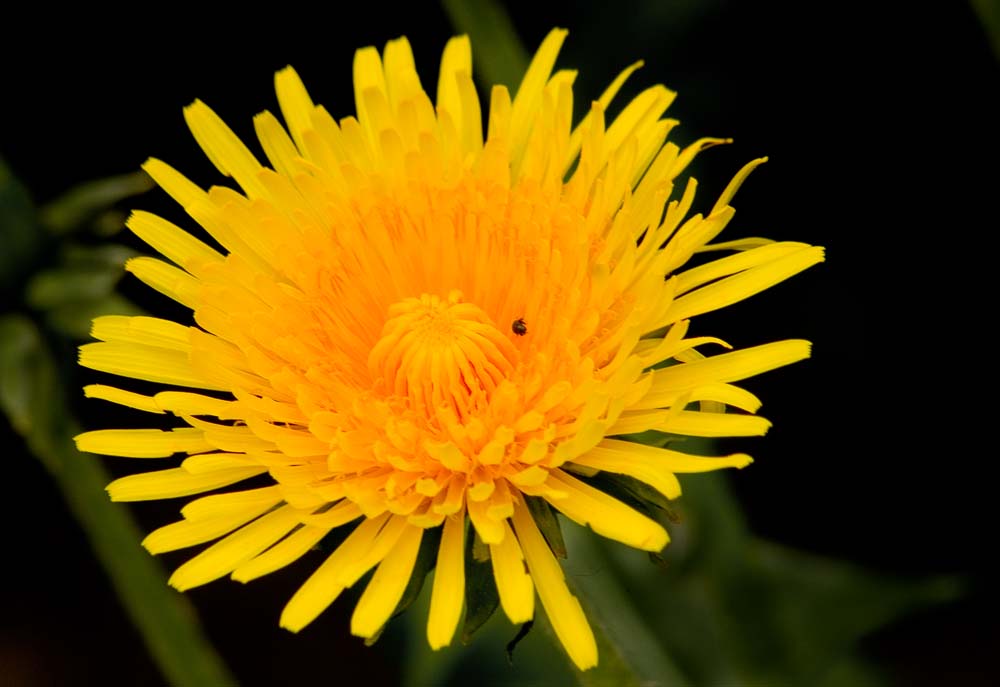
pixel 409 325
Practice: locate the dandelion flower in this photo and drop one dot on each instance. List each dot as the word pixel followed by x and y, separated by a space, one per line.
pixel 426 333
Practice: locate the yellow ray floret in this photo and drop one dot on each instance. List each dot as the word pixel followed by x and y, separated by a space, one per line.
pixel 410 320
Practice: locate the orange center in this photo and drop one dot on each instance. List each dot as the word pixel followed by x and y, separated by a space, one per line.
pixel 434 353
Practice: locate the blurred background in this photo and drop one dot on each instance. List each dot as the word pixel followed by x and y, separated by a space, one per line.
pixel 855 550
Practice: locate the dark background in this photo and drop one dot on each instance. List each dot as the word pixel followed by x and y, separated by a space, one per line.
pixel 881 126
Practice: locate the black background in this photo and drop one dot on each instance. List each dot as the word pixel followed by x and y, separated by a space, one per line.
pixel 881 126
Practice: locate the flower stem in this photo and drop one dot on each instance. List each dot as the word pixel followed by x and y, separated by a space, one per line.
pixel 500 56
pixel 34 402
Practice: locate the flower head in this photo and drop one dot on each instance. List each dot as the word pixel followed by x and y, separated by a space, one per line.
pixel 407 324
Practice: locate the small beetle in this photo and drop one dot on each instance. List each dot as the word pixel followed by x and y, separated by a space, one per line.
pixel 519 327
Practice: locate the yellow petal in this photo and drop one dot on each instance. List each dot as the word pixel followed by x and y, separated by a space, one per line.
pixel 210 462
pixel 144 362
pixel 743 285
pixel 122 397
pixel 224 556
pixel 174 482
pixel 456 58
pixel 386 588
pixel 528 100
pixel 489 528
pixel 185 533
pixel 223 147
pixel 563 609
pixel 606 515
pixel 711 392
pixel 517 593
pixel 448 591
pixel 695 277
pixel 235 501
pixel 323 586
pixel 296 106
pixel 172 282
pixel 698 424
pixel 143 443
pixel 172 241
pixel 284 553
pixel 730 367
pixel 341 514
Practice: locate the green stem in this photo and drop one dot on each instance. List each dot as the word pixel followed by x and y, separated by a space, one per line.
pixel 34 402
pixel 499 56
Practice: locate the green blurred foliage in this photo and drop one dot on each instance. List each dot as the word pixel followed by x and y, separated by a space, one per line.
pixel 70 284
pixel 988 12
pixel 728 609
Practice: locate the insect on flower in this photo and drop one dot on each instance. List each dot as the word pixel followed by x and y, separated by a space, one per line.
pixel 519 327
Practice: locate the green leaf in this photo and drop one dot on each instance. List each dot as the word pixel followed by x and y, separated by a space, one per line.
pixel 72 210
pixel 635 492
pixel 817 608
pixel 548 523
pixel 499 57
pixel 73 320
pixel 81 288
pixel 106 255
pixel 34 402
pixel 54 287
pixel 480 551
pixel 481 598
pixel 718 530
pixel 27 379
pixel 630 651
pixel 989 16
pixel 20 240
pixel 733 609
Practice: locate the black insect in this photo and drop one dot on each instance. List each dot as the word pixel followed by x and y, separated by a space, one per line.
pixel 519 327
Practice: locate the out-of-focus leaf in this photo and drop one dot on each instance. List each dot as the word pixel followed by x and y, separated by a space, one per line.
pixel 630 651
pixel 75 208
pixel 20 239
pixel 718 531
pixel 80 289
pixel 480 550
pixel 32 399
pixel 637 494
pixel 481 598
pixel 852 672
pixel 482 661
pixel 499 56
pixel 548 523
pixel 107 224
pixel 737 610
pixel 61 285
pixel 86 274
pixel 988 12
pixel 106 255
pixel 73 320
pixel 818 607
